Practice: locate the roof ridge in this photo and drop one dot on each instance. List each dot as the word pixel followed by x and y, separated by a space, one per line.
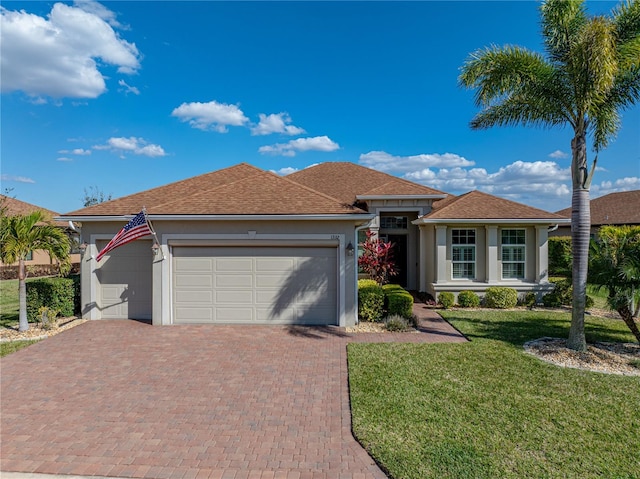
pixel 197 193
pixel 312 190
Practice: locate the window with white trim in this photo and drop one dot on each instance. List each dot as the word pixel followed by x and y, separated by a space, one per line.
pixel 513 253
pixel 463 253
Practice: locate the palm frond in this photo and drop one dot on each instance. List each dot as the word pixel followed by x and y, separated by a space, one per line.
pixel 561 20
pixel 626 17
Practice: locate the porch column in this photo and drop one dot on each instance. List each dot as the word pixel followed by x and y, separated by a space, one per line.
pixel 491 266
pixel 441 254
pixel 542 254
pixel 422 260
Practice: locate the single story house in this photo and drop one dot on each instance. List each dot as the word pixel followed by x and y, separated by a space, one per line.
pixel 243 245
pixel 37 259
pixel 615 209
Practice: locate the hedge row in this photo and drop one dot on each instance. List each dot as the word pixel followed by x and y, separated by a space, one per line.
pixel 375 301
pixel 58 294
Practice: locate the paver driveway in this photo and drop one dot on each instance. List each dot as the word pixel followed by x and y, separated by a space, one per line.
pixel 126 399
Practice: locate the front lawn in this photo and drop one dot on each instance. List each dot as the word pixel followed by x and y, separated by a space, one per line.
pixel 485 409
pixel 13 346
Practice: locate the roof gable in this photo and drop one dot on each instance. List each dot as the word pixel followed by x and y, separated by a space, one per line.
pixel 16 207
pixel 477 205
pixel 345 181
pixel 238 190
pixel 622 208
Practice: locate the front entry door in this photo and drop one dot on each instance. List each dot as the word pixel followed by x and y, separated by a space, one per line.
pixel 400 258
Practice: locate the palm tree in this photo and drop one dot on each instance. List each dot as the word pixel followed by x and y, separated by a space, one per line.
pixel 590 74
pixel 615 266
pixel 20 235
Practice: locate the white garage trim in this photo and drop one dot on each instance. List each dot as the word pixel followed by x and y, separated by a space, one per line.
pixel 250 239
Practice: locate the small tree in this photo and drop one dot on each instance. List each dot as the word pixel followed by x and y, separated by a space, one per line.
pixel 93 196
pixel 377 259
pixel 19 236
pixel 615 266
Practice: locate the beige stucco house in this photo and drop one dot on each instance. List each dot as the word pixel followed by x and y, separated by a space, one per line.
pixel 242 245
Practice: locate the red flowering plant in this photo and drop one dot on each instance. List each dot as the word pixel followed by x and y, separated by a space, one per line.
pixel 377 259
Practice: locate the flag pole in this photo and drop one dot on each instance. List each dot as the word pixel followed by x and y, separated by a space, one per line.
pixel 153 232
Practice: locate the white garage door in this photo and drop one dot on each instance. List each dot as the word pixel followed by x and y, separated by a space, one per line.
pixel 124 281
pixel 263 285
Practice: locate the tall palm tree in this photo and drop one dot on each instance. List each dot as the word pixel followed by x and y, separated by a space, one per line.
pixel 20 235
pixel 591 73
pixel 615 266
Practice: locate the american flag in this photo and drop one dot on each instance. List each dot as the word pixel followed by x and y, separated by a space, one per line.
pixel 133 230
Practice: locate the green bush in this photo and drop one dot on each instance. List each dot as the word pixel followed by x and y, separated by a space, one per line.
pixel 468 299
pixel 562 295
pixel 560 257
pixel 398 301
pixel 396 323
pixel 529 300
pixel 500 298
pixel 446 299
pixel 370 301
pixel 57 294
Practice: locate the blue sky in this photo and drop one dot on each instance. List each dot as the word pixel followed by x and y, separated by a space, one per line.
pixel 126 96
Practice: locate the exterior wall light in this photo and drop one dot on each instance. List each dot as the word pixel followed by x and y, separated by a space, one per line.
pixel 350 249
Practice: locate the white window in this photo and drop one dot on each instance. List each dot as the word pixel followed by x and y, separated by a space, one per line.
pixel 394 222
pixel 513 254
pixel 463 254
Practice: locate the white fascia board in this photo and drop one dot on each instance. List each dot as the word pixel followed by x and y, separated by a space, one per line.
pixel 423 221
pixel 354 217
pixel 400 197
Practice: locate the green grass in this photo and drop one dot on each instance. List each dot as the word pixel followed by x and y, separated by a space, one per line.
pixel 13 346
pixel 485 409
pixel 9 303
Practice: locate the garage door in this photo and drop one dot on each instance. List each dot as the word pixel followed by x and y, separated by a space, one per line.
pixel 124 281
pixel 263 285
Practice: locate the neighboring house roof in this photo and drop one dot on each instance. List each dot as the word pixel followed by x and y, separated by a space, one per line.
pixel 238 190
pixel 613 209
pixel 348 181
pixel 16 207
pixel 477 205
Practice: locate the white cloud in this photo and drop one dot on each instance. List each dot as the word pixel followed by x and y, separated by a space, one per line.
pixel 56 56
pixel 64 158
pixel 621 184
pixel 275 123
pixel 17 179
pixel 316 143
pixel 75 151
pixel 383 161
pixel 127 88
pixel 99 10
pixel 558 154
pixel 210 116
pixel 137 146
pixel 287 170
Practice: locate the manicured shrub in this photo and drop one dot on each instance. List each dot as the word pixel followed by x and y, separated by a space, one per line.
pixel 396 323
pixel 446 299
pixel 370 301
pixel 398 301
pixel 562 295
pixel 468 299
pixel 57 294
pixel 500 298
pixel 529 300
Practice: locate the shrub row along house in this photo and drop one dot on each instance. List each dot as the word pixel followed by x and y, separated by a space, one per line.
pixel 242 245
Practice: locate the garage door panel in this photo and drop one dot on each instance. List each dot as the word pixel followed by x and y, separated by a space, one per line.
pixel 233 265
pixel 194 265
pixel 205 297
pixel 234 281
pixel 195 315
pixel 258 285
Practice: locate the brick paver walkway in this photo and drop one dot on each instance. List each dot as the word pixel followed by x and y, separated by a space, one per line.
pixel 126 399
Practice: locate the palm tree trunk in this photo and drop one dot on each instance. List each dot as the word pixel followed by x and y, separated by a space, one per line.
pixel 627 316
pixel 580 235
pixel 22 296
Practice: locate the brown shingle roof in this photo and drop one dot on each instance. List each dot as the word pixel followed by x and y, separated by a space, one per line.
pixel 16 207
pixel 479 205
pixel 238 190
pixel 345 181
pixel 613 209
